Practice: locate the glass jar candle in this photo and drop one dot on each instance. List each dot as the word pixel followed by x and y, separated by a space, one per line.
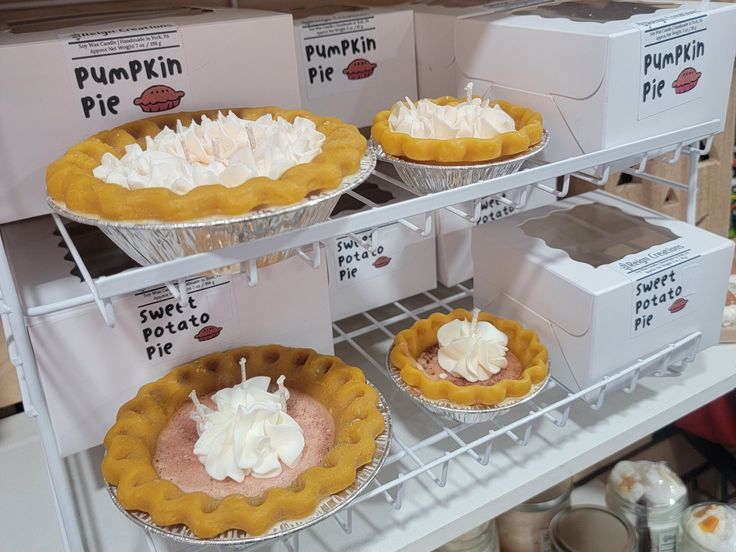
pixel 525 527
pixel 707 527
pixel 652 498
pixel 591 529
pixel 481 539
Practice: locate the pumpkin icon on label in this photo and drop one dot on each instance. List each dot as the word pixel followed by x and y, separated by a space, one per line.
pixel 686 80
pixel 678 305
pixel 382 261
pixel 207 333
pixel 359 69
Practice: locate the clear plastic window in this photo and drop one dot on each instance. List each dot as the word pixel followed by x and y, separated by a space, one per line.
pixel 596 234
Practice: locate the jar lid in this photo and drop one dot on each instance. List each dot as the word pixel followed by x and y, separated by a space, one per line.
pixel 591 529
pixel 547 500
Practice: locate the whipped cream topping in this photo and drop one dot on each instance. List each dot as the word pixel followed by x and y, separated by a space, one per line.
pixel 472 350
pixel 651 480
pixel 473 118
pixel 713 526
pixel 249 433
pixel 227 150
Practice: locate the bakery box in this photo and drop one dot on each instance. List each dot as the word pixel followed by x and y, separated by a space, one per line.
pixel 604 74
pixel 454 259
pixel 355 62
pixel 604 282
pixel 399 264
pixel 70 82
pixel 88 370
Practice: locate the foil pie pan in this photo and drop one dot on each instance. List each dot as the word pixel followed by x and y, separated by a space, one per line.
pixel 472 414
pixel 151 242
pixel 427 178
pixel 238 538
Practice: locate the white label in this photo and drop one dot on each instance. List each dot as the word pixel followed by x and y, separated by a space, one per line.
pixel 117 74
pixel 673 48
pixel 664 280
pixel 171 330
pixel 354 263
pixel 492 208
pixel 340 54
pixel 667 541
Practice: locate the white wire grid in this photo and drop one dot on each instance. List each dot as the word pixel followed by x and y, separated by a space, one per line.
pixel 365 338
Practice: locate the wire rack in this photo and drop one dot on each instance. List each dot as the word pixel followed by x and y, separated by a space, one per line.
pixel 364 340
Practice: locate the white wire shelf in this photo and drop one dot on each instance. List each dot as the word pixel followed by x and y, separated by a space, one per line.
pixel 592 167
pixel 427 452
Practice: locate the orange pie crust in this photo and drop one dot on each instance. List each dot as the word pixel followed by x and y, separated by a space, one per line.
pixel 131 442
pixel 70 182
pixel 461 150
pixel 524 343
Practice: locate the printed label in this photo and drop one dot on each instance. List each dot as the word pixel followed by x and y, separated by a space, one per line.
pixel 664 279
pixel 117 74
pixel 340 54
pixel 170 329
pixel 668 541
pixel 352 262
pixel 673 50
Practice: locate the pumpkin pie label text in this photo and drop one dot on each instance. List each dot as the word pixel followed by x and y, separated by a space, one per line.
pixel 123 73
pixel 339 54
pixel 673 48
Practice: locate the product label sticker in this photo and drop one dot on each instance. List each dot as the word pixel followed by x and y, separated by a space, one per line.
pixel 673 53
pixel 664 279
pixel 351 262
pixel 340 54
pixel 667 541
pixel 124 73
pixel 492 208
pixel 168 329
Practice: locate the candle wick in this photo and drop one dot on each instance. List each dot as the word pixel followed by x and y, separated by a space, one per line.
pixel 251 137
pixel 242 368
pixel 283 392
pixel 474 322
pixel 469 91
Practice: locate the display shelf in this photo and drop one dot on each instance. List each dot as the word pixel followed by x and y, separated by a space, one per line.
pixel 591 166
pixel 443 478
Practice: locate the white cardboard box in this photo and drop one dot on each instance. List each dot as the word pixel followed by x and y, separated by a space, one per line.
pixel 63 85
pixel 402 265
pixel 353 64
pixel 88 370
pixel 454 258
pixel 623 300
pixel 610 79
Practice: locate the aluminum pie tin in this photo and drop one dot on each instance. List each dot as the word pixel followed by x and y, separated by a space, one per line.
pixel 152 242
pixel 426 178
pixel 236 538
pixel 472 414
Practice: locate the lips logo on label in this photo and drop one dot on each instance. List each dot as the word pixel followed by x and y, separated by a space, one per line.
pixel 207 333
pixel 678 305
pixel 686 80
pixel 382 261
pixel 359 69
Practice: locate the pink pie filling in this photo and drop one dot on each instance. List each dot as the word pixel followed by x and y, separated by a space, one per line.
pixel 428 361
pixel 175 460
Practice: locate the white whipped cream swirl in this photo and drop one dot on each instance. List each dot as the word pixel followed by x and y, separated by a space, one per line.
pixel 227 150
pixel 473 118
pixel 249 433
pixel 474 350
pixel 723 536
pixel 652 480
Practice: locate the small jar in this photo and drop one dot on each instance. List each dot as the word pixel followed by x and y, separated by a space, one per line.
pixel 591 529
pixel 652 498
pixel 481 539
pixel 525 528
pixel 707 527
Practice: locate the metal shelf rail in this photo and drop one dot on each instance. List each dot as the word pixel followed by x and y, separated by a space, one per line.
pixel 557 412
